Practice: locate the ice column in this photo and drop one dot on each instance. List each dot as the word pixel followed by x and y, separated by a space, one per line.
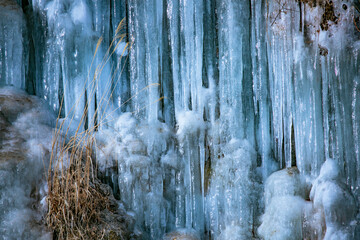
pixel 13 61
pixel 313 98
pixel 145 33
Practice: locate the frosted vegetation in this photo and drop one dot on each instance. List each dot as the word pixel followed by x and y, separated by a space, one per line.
pixel 210 119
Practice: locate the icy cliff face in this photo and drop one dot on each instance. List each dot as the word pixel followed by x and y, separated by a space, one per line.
pixel 196 103
pixel 13 64
pixel 314 101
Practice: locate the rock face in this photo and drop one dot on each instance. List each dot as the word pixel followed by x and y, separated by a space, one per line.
pixel 14 105
pixel 26 126
pixel 25 141
pixel 182 234
pixel 10 141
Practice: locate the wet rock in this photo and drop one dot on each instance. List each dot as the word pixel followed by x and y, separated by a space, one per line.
pixel 24 140
pixel 182 234
pixel 24 125
pixel 10 142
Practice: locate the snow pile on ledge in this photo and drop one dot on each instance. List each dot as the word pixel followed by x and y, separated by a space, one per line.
pixel 330 214
pixel 189 122
pixel 284 203
pixel 334 201
pixel 182 234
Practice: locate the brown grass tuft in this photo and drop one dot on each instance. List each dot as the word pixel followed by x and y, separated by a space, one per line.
pixel 74 201
pixel 78 204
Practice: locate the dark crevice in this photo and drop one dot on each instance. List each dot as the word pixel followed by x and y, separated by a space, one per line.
pixel 61 94
pixel 86 111
pixel 96 113
pixel 293 147
pixel 301 17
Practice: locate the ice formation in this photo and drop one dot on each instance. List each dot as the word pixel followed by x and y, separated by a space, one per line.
pixel 13 64
pixel 196 103
pixel 233 190
pixel 335 201
pixel 292 211
pixel 285 193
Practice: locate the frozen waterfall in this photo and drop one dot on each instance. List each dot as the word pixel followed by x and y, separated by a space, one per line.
pixel 196 103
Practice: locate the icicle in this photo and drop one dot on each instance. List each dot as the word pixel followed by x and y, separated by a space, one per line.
pixel 13 62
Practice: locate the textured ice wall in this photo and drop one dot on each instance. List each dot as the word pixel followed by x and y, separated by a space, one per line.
pixel 222 93
pixel 313 74
pixel 13 59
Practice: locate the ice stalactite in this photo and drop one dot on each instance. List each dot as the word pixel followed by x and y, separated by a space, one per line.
pixel 312 98
pixel 234 164
pixel 261 89
pixel 13 54
pixel 145 31
pixel 77 74
pixel 314 90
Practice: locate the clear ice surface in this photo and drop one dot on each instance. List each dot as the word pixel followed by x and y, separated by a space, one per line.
pixel 196 103
pixel 13 64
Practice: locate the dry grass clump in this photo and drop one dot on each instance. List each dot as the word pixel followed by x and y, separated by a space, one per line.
pixel 79 206
pixel 74 201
